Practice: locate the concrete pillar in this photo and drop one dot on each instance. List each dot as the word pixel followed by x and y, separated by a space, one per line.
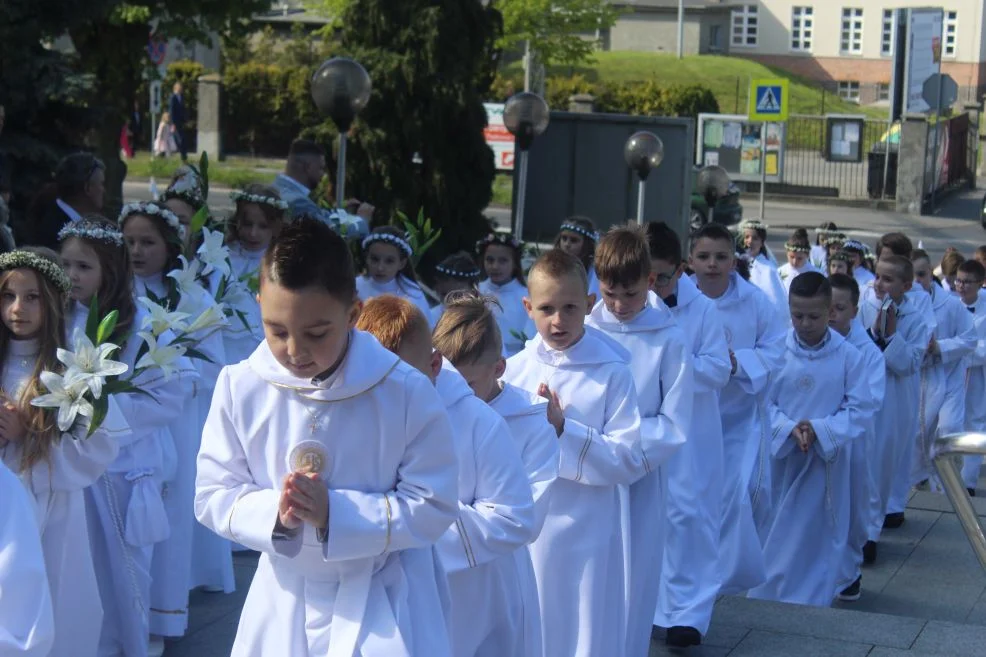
pixel 912 161
pixel 975 112
pixel 209 115
pixel 581 103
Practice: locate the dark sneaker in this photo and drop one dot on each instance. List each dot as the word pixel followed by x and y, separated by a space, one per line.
pixel 869 552
pixel 851 592
pixel 893 520
pixel 682 637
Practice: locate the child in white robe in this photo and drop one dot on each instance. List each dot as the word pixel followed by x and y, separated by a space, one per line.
pixel 496 510
pixel 389 270
pixel 26 626
pixel 755 336
pixel 857 250
pixel 578 558
pixel 819 250
pixel 124 507
pixel 899 329
pixel 469 337
pixel 577 236
pixel 54 466
pixel 500 259
pixel 456 273
pixel 662 373
pixel 944 369
pixel 335 460
pixel 814 403
pixel 763 265
pixel 690 576
pixel 154 235
pixel 840 262
pixel 797 263
pixel 871 371
pixel 968 281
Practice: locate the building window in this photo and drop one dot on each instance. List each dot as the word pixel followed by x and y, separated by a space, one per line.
pixel 715 38
pixel 801 28
pixel 849 91
pixel 745 26
pixel 950 29
pixel 887 36
pixel 883 91
pixel 852 31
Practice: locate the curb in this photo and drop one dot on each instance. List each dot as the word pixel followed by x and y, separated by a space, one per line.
pixel 865 203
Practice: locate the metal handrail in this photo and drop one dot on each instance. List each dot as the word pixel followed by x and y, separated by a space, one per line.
pixel 961 444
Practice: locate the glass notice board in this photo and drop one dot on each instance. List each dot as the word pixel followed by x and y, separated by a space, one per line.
pixel 736 144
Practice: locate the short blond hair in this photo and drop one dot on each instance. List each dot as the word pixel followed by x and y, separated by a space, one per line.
pixel 467 332
pixel 555 265
pixel 392 320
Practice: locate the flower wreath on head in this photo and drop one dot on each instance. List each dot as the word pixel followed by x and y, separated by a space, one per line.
pixel 186 187
pixel 833 238
pixel 505 239
pixel 467 274
pixel 90 231
pixel 753 224
pixel 400 242
pixel 584 232
pixel 276 203
pixel 841 256
pixel 152 210
pixel 854 246
pixel 40 264
pixel 798 247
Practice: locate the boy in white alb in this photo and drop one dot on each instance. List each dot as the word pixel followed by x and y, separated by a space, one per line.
pixel 496 512
pixel 662 373
pixel 897 326
pixel 26 625
pixel 592 404
pixel 335 460
pixel 814 403
pixel 968 282
pixel 755 336
pixel 468 335
pixel 870 372
pixel 690 572
pixel 944 370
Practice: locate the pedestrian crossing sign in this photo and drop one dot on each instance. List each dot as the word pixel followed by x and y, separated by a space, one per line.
pixel 768 100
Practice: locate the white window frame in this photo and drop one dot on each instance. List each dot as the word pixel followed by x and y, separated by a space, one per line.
pixel 802 28
pixel 887 35
pixel 950 34
pixel 883 91
pixel 851 31
pixel 741 17
pixel 849 90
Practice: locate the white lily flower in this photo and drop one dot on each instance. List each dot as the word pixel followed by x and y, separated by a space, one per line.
pixel 214 315
pixel 67 394
pixel 161 320
pixel 91 363
pixel 185 277
pixel 213 253
pixel 165 358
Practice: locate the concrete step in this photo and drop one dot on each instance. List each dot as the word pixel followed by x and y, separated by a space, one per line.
pixel 756 628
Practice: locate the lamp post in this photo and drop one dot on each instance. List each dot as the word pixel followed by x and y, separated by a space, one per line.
pixel 341 89
pixel 643 152
pixel 526 116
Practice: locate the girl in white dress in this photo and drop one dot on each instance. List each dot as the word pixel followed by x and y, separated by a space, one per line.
pixel 55 467
pixel 124 507
pixel 259 215
pixel 500 257
pixel 456 273
pixel 387 256
pixel 578 237
pixel 857 250
pixel 840 262
pixel 763 265
pixel 819 250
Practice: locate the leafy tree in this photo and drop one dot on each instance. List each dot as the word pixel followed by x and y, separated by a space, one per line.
pixel 555 29
pixel 419 143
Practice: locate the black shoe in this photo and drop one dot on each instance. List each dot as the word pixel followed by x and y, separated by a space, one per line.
pixel 972 492
pixel 869 552
pixel 893 520
pixel 682 637
pixel 851 592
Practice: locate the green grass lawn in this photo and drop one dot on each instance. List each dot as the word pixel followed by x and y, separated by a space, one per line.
pixel 727 77
pixel 233 171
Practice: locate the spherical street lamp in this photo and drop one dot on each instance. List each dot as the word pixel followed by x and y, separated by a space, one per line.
pixel 643 151
pixel 526 116
pixel 341 89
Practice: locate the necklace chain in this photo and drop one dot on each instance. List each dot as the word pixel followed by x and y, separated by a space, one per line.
pixel 316 417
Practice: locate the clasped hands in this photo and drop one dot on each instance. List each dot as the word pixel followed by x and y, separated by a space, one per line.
pixel 304 498
pixel 804 433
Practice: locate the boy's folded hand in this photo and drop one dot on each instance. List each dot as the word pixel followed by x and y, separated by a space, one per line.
pixel 286 509
pixel 556 417
pixel 308 498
